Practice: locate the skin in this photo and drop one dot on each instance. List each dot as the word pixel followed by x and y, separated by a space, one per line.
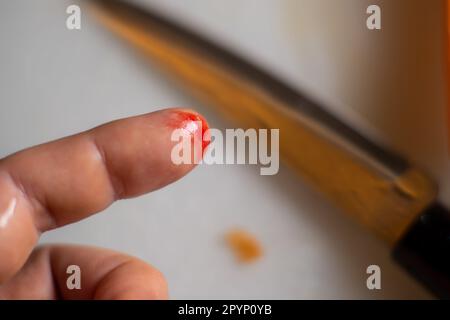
pixel 67 180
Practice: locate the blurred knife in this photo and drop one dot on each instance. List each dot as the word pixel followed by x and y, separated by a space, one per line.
pixel 376 187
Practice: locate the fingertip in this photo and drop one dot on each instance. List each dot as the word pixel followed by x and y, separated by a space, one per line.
pixel 133 280
pixel 183 117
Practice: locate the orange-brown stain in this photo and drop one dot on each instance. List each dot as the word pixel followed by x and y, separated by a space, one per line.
pixel 244 245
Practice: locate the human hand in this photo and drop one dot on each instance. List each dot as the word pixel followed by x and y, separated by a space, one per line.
pixel 61 182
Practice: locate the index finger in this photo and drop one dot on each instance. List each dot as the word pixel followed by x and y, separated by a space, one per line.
pixel 61 182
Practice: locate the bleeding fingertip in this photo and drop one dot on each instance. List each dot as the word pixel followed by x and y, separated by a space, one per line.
pixel 192 122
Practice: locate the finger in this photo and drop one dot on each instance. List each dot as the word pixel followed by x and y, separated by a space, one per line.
pixel 104 274
pixel 69 179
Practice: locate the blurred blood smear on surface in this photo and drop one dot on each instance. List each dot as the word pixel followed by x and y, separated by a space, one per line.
pixel 245 246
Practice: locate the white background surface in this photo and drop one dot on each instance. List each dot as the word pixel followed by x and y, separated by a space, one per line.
pixel 55 82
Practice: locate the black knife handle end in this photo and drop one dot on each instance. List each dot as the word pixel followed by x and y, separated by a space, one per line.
pixel 425 250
